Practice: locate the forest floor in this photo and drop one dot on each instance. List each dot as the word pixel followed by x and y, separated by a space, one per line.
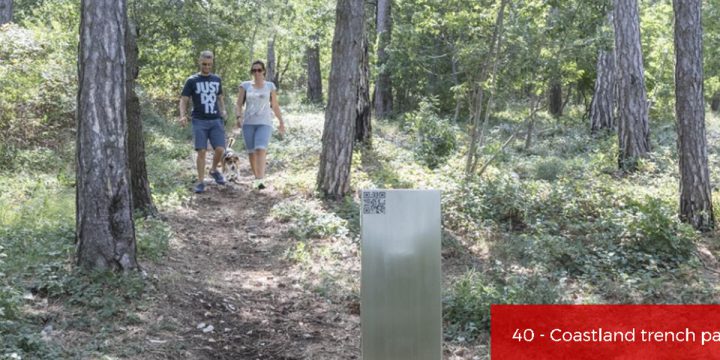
pixel 229 287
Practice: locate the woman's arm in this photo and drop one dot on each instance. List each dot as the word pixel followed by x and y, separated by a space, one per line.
pixel 239 106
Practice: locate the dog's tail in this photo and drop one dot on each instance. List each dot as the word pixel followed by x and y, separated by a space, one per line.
pixel 230 142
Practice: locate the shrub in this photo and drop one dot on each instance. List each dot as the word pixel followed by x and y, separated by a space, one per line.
pixel 435 136
pixel 308 220
pixel 654 228
pixel 39 77
pixel 467 307
pixel 549 169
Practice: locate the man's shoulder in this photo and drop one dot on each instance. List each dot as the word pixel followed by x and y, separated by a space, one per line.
pixel 198 76
pixel 192 77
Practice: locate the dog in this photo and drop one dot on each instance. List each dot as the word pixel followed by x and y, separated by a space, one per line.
pixel 231 162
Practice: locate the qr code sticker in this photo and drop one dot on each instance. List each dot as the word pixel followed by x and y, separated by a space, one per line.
pixel 374 202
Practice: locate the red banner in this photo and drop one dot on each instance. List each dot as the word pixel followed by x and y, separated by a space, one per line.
pixel 605 332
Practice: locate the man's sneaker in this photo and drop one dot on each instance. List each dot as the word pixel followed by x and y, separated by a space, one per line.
pixel 200 187
pixel 219 178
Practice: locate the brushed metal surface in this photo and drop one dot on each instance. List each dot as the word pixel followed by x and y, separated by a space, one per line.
pixel 401 305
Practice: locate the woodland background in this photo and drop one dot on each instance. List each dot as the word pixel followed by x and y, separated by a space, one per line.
pixel 491 102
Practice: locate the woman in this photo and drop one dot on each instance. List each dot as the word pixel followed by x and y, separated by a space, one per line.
pixel 260 100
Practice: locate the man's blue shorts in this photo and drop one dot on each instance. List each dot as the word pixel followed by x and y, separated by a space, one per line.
pixel 257 137
pixel 204 130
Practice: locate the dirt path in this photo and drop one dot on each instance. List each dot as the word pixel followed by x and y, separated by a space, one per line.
pixel 228 289
pixel 230 293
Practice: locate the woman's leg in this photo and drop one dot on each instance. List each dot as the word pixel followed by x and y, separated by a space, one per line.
pixel 248 132
pixel 260 155
pixel 251 156
pixel 262 140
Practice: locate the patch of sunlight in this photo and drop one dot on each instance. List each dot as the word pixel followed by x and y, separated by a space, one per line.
pixel 40 200
pixel 248 280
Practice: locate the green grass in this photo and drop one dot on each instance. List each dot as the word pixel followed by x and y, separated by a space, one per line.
pixel 37 246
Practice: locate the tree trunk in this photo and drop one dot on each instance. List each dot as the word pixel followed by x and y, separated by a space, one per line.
pixel 534 107
pixel 105 232
pixel 555 98
pixel 383 85
pixel 715 102
pixel 695 192
pixel 363 126
pixel 141 197
pixel 314 78
pixel 603 100
pixel 270 74
pixel 337 141
pixel 633 129
pixel 6 11
pixel 479 93
pixel 252 44
pixel 281 71
pixel 456 82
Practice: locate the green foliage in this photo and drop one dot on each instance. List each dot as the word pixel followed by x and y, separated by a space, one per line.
pixel 466 307
pixel 167 148
pixel 308 220
pixel 152 237
pixel 9 296
pixel 38 76
pixel 103 294
pixel 656 20
pixel 498 199
pixel 435 136
pixel 37 235
pixel 655 229
pixel 550 169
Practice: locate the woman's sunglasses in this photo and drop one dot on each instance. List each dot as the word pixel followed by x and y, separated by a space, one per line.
pixel 256 70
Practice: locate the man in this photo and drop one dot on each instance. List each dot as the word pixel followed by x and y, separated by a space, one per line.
pixel 208 112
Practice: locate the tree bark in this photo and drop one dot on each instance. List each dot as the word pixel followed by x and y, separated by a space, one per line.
pixel 633 128
pixel 555 99
pixel 6 11
pixel 141 197
pixel 336 155
pixel 270 73
pixel 383 85
pixel 534 107
pixel 105 232
pixel 456 82
pixel 363 126
pixel 695 192
pixel 314 77
pixel 603 101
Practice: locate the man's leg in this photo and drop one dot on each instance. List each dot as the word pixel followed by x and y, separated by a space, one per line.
pixel 200 135
pixel 217 157
pixel 217 140
pixel 200 162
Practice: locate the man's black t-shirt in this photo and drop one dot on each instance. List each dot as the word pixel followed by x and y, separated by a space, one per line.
pixel 204 91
